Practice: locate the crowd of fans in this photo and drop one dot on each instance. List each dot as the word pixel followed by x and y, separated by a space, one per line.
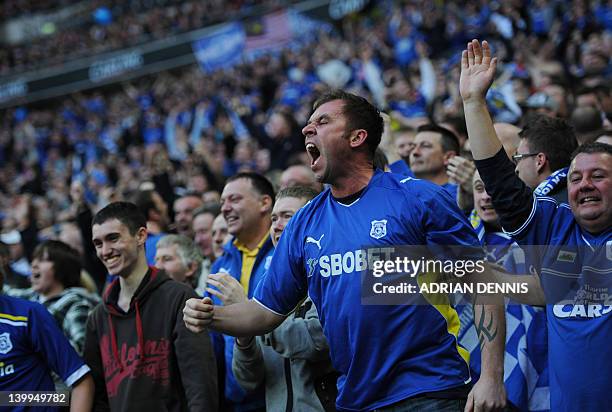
pixel 184 133
pixel 112 25
pixel 19 8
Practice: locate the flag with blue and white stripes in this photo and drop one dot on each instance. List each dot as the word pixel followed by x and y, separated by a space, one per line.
pixel 526 355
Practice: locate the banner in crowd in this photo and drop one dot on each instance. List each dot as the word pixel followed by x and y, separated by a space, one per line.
pixel 213 48
pixel 247 40
pixel 220 49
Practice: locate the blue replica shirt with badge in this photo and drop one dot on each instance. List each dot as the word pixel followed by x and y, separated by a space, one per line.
pixel 385 353
pixel 576 269
pixel 579 327
pixel 31 345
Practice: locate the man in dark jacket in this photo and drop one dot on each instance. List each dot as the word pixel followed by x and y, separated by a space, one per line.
pixel 141 355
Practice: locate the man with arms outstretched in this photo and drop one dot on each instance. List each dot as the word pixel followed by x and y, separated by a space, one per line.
pixel 399 357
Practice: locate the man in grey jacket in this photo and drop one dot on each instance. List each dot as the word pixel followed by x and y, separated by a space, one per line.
pixel 292 361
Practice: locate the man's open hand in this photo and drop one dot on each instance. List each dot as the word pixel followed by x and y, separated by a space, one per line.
pixel 460 171
pixel 477 71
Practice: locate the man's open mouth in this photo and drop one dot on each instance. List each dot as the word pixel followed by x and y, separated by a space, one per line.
pixel 111 260
pixel 314 153
pixel 588 199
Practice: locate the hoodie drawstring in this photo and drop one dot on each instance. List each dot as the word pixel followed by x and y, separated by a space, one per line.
pixel 140 350
pixel 114 343
pixel 139 331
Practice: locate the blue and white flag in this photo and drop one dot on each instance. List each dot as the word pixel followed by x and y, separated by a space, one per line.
pixel 526 354
pixel 220 49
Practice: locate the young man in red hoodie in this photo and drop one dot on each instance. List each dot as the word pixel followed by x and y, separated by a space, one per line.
pixel 140 353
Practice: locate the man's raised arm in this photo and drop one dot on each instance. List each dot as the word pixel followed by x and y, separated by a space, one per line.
pixel 512 200
pixel 477 74
pixel 240 319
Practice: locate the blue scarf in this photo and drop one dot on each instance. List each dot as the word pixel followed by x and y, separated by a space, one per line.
pixel 551 182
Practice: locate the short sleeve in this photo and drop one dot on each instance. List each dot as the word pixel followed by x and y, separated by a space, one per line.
pixel 49 341
pixel 284 285
pixel 444 223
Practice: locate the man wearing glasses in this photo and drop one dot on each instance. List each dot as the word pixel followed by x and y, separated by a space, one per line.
pixel 543 156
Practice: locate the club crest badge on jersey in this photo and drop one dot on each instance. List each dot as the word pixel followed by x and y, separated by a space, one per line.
pixel 379 229
pixel 5 343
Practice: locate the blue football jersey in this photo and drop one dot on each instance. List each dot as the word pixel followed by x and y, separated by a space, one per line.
pixel 384 353
pixel 401 167
pixel 31 345
pixel 576 274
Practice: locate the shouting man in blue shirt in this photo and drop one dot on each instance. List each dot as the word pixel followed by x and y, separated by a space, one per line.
pixel 403 357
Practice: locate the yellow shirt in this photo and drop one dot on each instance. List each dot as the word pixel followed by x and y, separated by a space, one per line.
pixel 248 261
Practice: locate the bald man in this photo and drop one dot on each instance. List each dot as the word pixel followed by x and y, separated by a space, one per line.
pixel 299 175
pixel 587 122
pixel 509 136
